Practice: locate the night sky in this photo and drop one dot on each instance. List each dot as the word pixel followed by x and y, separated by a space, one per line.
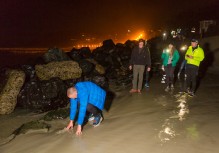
pixel 46 23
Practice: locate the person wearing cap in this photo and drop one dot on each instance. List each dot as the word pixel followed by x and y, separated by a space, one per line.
pixel 170 57
pixel 140 58
pixel 193 56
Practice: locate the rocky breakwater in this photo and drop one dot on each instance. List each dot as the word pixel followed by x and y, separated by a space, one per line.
pixel 14 80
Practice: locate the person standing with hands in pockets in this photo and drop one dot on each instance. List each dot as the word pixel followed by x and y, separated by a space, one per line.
pixel 140 58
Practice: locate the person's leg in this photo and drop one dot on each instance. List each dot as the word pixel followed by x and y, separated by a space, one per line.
pixel 189 77
pixel 181 67
pixel 147 78
pixel 135 77
pixel 93 110
pixel 172 69
pixel 97 116
pixel 167 71
pixel 141 75
pixel 194 78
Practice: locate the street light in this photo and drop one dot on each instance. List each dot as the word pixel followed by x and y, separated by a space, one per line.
pixel 164 36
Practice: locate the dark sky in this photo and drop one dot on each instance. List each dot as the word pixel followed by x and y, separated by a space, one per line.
pixel 46 23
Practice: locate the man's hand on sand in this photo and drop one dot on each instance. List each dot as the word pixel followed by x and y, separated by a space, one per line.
pixel 70 125
pixel 78 132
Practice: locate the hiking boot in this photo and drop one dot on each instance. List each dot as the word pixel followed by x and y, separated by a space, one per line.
pixel 191 94
pixel 133 91
pixel 187 91
pixel 178 75
pixel 147 85
pixel 172 86
pixel 167 89
pixel 91 117
pixel 163 81
pixel 139 91
pixel 97 120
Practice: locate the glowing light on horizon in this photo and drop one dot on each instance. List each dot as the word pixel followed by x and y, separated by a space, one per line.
pixel 139 37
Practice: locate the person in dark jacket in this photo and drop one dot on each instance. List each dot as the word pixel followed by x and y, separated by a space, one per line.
pixel 86 96
pixel 140 58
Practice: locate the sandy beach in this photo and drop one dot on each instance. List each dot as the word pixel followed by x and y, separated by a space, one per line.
pixel 154 121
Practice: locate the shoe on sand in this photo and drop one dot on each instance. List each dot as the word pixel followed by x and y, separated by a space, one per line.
pixel 91 117
pixel 97 120
pixel 133 91
pixel 139 91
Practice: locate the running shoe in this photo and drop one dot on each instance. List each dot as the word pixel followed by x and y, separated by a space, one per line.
pixel 97 120
pixel 147 85
pixel 91 117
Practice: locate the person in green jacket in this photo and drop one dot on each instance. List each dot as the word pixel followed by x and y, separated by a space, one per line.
pixel 194 56
pixel 170 57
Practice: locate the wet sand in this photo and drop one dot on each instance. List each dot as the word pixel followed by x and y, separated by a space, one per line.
pixel 154 121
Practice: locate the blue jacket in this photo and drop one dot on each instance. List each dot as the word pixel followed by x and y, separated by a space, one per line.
pixel 88 92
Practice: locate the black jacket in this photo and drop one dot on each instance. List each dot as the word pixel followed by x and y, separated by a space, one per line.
pixel 140 58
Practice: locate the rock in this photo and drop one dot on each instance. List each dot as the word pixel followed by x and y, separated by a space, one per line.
pixel 108 44
pixel 9 93
pixel 43 96
pixel 75 55
pixel 57 114
pixel 55 54
pixel 100 56
pixel 72 82
pixel 78 54
pixel 131 44
pixel 86 66
pixel 29 72
pixel 64 70
pixel 33 126
pixel 100 81
pixel 85 52
pixel 98 68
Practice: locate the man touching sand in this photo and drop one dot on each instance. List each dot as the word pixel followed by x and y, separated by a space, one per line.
pixel 86 96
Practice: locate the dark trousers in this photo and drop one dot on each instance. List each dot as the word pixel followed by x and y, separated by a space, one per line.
pixel 191 72
pixel 92 109
pixel 169 70
pixel 147 75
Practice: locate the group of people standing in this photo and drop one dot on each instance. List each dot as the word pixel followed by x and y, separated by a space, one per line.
pixel 87 97
pixel 140 59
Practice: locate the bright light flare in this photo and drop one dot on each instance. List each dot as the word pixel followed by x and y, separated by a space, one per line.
pixel 167 50
pixel 184 48
pixel 140 36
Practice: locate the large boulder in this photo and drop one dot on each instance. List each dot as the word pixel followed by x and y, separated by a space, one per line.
pixel 29 72
pixel 64 70
pixel 85 52
pixel 108 44
pixel 98 68
pixel 99 80
pixel 55 54
pixel 86 66
pixel 8 96
pixel 43 95
pixel 75 54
